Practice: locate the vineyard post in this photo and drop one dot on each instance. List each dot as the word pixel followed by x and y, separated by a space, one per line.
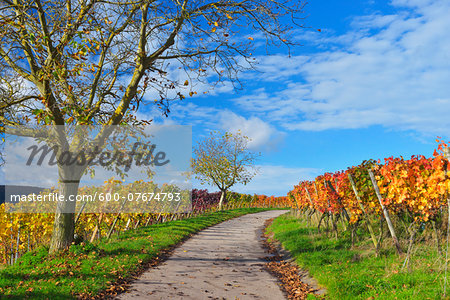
pixel 342 219
pixel 317 191
pixel 325 214
pixel 312 204
pixel 241 203
pixel 137 223
pixel 150 214
pixel 175 214
pixel 160 213
pixel 116 219
pixel 308 214
pixel 113 225
pixel 17 244
pixel 128 224
pixel 330 214
pixel 339 199
pixel 438 237
pixel 317 196
pixel 412 229
pixel 11 257
pixel 385 213
pixel 358 198
pixel 176 209
pixel 297 209
pixel 97 227
pixel 446 151
pixel 148 219
pixel 79 213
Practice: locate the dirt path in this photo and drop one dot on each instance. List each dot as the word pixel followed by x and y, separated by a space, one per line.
pixel 225 261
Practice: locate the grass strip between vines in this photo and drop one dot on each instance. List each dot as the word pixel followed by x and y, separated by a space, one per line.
pixel 105 267
pixel 354 272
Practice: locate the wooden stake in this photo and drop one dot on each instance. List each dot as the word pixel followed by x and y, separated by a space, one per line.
pixel 116 219
pixel 369 226
pixel 96 228
pixel 447 156
pixel 339 199
pixel 312 204
pixel 386 213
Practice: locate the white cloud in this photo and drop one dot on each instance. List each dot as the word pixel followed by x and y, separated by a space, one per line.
pixel 262 135
pixel 186 113
pixel 276 179
pixel 16 172
pixel 390 70
pixel 276 67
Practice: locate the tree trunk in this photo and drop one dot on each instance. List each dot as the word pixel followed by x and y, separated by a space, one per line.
pixel 64 224
pixel 223 196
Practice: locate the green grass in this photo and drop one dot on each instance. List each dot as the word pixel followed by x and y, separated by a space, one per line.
pixel 92 268
pixel 355 273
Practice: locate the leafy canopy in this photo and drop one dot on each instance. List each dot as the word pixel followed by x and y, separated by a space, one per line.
pixel 223 159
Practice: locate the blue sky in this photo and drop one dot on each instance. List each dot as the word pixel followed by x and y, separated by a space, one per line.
pixel 375 82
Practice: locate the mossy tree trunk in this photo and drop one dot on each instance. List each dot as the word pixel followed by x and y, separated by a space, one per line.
pixel 64 224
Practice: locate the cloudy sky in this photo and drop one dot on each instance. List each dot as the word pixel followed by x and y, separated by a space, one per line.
pixel 374 82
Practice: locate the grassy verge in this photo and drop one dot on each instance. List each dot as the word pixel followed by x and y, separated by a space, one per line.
pixel 89 269
pixel 355 273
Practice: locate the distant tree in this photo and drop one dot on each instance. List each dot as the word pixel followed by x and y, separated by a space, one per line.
pixel 223 160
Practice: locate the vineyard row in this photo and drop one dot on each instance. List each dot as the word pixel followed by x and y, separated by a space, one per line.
pixel 22 232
